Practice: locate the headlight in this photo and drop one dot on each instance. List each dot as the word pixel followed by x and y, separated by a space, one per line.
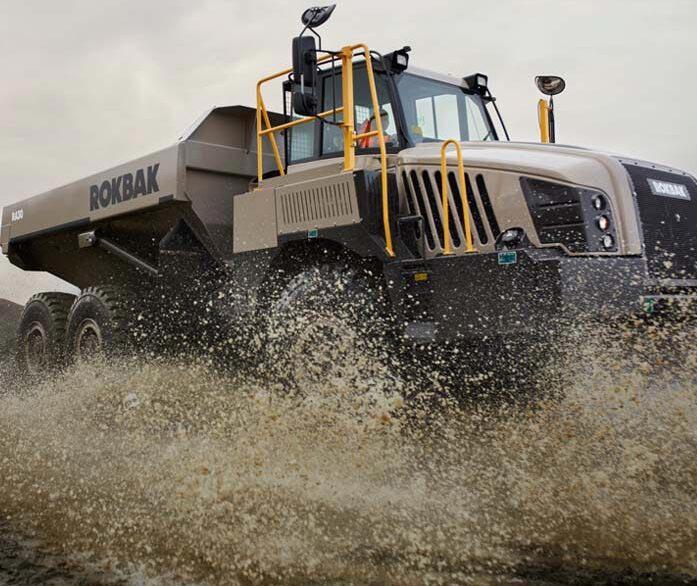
pixel 577 218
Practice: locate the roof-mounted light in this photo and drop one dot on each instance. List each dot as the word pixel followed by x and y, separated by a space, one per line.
pixel 398 60
pixel 477 82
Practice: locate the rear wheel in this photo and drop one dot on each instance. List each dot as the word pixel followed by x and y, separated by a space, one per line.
pixel 98 323
pixel 41 333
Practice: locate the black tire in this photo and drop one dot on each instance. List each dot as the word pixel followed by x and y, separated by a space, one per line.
pixel 99 323
pixel 41 333
pixel 329 322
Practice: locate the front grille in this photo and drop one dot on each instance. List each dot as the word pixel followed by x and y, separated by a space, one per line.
pixel 557 213
pixel 669 223
pixel 422 187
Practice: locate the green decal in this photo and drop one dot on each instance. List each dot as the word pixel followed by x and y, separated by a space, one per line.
pixel 510 257
pixel 649 304
pixel 312 233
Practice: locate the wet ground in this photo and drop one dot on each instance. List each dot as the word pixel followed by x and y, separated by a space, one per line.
pixel 154 472
pixel 28 561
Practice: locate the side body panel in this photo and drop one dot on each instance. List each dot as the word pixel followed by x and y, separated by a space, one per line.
pixel 128 188
pixel 136 204
pixel 254 225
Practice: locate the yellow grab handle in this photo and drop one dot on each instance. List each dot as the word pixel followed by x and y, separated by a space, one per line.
pixel 447 245
pixel 543 118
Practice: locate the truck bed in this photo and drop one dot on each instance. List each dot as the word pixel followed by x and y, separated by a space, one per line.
pixel 213 161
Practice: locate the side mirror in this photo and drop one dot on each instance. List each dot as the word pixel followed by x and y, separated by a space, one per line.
pixel 304 76
pixel 317 15
pixel 550 85
pixel 305 103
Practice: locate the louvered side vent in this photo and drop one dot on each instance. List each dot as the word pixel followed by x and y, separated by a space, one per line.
pixel 316 204
pixel 422 189
pixel 488 208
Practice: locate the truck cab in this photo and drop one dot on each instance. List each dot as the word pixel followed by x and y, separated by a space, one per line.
pixel 417 107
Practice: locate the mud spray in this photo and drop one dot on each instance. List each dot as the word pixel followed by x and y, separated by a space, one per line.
pixel 166 472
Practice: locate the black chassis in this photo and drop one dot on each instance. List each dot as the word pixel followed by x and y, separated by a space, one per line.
pixel 511 293
pixel 480 295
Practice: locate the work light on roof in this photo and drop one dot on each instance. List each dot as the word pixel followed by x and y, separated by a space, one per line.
pixel 400 59
pixel 477 82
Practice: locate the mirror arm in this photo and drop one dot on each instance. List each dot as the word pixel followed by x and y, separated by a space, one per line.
pixel 314 32
pixel 552 133
pixel 498 113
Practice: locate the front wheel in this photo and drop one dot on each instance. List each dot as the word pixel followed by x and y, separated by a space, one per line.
pixel 329 326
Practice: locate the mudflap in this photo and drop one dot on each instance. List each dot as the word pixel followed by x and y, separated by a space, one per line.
pixel 521 369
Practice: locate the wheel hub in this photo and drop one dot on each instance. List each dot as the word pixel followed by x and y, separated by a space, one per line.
pixel 89 339
pixel 35 348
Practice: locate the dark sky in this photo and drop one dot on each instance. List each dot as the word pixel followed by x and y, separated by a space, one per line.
pixel 88 84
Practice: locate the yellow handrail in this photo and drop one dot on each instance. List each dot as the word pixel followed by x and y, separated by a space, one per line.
pixel 543 119
pixel 447 245
pixel 348 126
pixel 381 144
pixel 300 121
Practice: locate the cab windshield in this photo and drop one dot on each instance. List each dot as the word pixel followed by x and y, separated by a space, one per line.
pixel 437 111
pixel 434 111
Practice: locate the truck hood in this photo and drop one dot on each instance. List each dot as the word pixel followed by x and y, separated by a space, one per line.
pixel 564 163
pixel 503 163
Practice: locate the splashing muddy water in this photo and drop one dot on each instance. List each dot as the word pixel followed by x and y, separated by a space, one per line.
pixel 170 473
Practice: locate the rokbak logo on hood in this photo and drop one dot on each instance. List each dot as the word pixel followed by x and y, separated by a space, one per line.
pixel 124 187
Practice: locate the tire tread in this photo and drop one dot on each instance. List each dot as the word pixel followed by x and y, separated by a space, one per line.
pixel 115 300
pixel 58 307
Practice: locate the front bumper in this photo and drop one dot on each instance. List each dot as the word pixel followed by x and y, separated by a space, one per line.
pixel 526 291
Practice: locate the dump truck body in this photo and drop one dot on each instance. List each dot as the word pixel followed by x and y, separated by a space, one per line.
pixel 490 240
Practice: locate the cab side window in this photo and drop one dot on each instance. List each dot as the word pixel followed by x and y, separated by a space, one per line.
pixel 438 116
pixel 364 116
pixel 301 139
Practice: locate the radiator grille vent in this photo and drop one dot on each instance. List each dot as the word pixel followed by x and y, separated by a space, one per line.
pixel 316 205
pixel 488 208
pixel 668 223
pixel 424 197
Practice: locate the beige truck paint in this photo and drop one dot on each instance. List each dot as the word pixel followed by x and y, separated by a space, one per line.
pixel 254 221
pixel 504 162
pixel 221 142
pixel 74 203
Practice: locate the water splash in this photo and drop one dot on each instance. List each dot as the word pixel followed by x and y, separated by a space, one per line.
pixel 175 472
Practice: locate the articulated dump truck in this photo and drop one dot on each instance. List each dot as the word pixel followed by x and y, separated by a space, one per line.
pixel 384 188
